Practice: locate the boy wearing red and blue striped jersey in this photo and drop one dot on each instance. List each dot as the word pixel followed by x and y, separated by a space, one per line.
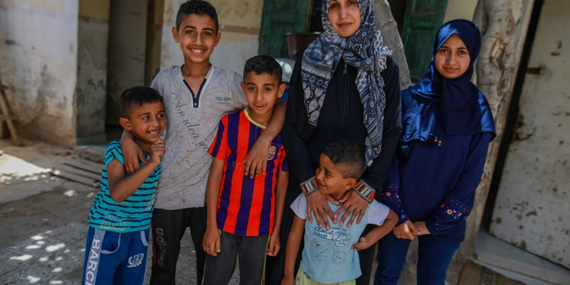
pixel 244 213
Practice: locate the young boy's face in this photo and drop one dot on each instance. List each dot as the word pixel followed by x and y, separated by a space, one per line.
pixel 146 122
pixel 330 179
pixel 197 36
pixel 261 92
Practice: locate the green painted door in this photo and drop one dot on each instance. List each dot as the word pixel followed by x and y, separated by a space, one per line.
pixel 421 22
pixel 280 17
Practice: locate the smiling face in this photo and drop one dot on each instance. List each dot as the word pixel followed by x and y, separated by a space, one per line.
pixel 452 59
pixel 344 16
pixel 331 180
pixel 261 92
pixel 197 36
pixel 146 123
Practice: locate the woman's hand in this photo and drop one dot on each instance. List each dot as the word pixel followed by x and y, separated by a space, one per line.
pixel 406 230
pixel 421 228
pixel 317 205
pixel 354 205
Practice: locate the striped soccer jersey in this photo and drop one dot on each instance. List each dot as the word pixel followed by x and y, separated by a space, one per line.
pixel 135 212
pixel 246 206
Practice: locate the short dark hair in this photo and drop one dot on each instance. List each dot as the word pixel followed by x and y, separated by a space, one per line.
pixel 261 64
pixel 347 156
pixel 137 95
pixel 198 7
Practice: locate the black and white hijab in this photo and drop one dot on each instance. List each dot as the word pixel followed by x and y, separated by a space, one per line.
pixel 364 51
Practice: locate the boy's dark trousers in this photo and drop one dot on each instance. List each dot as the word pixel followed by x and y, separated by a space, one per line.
pixel 168 227
pixel 249 251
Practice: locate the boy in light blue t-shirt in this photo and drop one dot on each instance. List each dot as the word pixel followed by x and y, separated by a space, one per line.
pixel 119 219
pixel 331 256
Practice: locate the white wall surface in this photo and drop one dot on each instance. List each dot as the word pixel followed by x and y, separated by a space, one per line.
pixel 533 201
pixel 39 64
pixel 460 9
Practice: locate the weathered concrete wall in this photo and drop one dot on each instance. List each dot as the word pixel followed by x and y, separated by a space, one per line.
pixel 40 66
pixel 463 9
pixel 239 24
pixel 533 201
pixel 93 32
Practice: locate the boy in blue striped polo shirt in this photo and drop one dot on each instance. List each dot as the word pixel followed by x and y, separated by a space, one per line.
pixel 119 220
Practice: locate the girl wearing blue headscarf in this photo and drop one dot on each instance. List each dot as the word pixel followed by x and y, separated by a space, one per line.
pixel 345 85
pixel 446 129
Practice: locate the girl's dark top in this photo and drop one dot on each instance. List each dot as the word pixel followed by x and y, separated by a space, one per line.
pixel 435 180
pixel 446 129
pixel 341 117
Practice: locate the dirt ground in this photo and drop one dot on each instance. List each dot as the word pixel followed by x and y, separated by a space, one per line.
pixel 44 218
pixel 43 202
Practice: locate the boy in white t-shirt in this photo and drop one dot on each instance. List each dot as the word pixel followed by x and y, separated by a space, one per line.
pixel 331 256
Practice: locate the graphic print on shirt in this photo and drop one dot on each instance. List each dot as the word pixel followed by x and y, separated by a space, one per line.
pixel 272 152
pixel 325 248
pixel 180 109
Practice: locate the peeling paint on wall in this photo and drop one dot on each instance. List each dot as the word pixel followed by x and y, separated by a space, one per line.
pixel 40 67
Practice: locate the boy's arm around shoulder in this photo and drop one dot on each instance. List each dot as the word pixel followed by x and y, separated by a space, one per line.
pixel 122 186
pixel 211 242
pixel 378 232
pixel 256 160
pixel 132 153
pixel 280 191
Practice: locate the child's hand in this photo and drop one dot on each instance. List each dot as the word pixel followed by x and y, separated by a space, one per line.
pixel 274 245
pixel 288 280
pixel 406 230
pixel 256 159
pixel 363 243
pixel 156 152
pixel 211 242
pixel 421 228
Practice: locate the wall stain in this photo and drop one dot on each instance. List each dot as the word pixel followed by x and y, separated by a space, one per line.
pixel 533 213
pixel 522 131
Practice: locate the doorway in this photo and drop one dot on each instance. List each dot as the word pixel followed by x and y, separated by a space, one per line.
pixel 133 53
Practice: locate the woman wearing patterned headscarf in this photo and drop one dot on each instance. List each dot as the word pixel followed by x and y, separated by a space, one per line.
pixel 345 85
pixel 446 129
